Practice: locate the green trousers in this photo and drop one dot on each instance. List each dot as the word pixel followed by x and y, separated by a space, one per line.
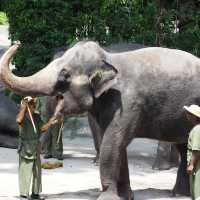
pixel 29 172
pixel 54 145
pixel 195 183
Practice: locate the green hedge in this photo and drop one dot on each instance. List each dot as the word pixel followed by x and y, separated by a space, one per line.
pixel 41 26
pixel 44 25
pixel 3 19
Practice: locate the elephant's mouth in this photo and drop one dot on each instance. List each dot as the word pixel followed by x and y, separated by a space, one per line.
pixel 105 86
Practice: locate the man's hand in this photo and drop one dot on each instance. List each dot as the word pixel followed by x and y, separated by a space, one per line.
pixel 22 111
pixel 23 104
pixel 190 169
pixel 45 127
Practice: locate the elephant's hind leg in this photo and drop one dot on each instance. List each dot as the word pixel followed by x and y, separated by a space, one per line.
pixel 182 180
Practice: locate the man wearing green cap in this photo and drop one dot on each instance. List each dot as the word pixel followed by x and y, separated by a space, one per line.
pixel 193 152
pixel 54 144
pixel 29 149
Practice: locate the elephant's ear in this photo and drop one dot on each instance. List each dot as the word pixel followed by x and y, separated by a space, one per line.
pixel 103 78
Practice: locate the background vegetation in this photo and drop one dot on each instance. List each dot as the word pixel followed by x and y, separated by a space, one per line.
pixel 3 19
pixel 44 25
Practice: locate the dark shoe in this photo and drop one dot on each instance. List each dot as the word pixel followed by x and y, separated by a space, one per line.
pixel 47 156
pixel 36 197
pixel 23 197
pixel 59 157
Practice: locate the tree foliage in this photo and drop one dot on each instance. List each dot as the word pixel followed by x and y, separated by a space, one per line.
pixel 44 25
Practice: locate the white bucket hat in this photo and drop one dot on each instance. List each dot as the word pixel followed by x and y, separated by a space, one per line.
pixel 28 98
pixel 193 109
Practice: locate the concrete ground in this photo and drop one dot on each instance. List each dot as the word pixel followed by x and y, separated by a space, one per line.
pixel 79 178
pixel 4 41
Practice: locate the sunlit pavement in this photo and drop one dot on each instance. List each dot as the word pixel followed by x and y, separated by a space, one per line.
pixel 79 178
pixel 4 41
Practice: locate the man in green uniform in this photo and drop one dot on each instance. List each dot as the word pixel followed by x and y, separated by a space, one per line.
pixel 193 153
pixel 29 149
pixel 54 145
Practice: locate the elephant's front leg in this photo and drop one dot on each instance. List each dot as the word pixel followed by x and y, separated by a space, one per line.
pixel 113 163
pixel 124 188
pixel 97 134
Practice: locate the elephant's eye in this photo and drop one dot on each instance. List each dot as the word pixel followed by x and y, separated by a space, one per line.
pixel 63 81
pixel 67 76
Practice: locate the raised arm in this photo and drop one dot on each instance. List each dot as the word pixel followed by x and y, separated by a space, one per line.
pixel 57 116
pixel 21 114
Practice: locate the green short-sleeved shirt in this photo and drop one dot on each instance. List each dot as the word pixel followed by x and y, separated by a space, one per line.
pixel 193 142
pixel 28 139
pixel 41 108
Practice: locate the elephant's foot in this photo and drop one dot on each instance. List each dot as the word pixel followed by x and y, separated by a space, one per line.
pixel 180 192
pixel 125 192
pixel 96 160
pixel 109 195
pixel 181 187
pixel 161 165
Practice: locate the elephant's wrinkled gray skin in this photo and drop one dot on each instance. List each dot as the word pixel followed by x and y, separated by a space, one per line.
pixel 8 125
pixel 132 94
pixel 96 132
pixel 166 157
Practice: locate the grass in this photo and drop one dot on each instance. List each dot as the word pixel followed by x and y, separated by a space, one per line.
pixel 3 19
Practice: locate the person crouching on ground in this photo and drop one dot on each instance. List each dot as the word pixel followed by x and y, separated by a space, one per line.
pixel 193 152
pixel 29 149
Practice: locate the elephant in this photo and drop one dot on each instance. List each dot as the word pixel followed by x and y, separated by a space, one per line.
pixel 131 94
pixel 51 104
pixel 166 157
pixel 8 125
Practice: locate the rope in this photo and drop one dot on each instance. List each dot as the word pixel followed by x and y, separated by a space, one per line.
pixel 31 117
pixel 60 131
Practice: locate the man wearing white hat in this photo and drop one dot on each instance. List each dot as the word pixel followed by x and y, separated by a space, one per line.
pixel 193 152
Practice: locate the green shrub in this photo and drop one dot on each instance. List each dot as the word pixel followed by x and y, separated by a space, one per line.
pixel 41 26
pixel 44 25
pixel 3 19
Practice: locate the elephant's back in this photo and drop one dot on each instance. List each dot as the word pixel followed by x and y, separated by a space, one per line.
pixel 156 61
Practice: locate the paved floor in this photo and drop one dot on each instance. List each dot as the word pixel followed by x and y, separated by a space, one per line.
pixel 4 41
pixel 79 178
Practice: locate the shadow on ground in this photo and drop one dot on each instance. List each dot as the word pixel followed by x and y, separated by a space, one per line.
pixel 152 193
pixel 92 194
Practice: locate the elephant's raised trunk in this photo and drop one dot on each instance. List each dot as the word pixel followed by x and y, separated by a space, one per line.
pixel 41 83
